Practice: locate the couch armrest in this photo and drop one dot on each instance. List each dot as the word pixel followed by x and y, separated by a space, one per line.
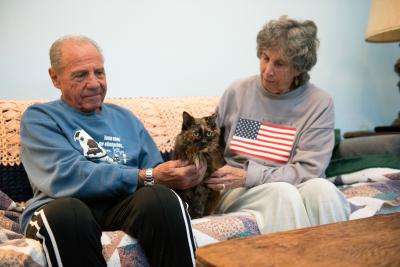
pixel 354 154
pixel 388 144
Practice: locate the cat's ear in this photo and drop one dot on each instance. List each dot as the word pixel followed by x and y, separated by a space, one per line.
pixel 211 120
pixel 187 121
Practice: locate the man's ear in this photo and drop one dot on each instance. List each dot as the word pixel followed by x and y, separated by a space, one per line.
pixel 55 78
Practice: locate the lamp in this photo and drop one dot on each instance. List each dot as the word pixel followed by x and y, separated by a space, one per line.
pixel 384 27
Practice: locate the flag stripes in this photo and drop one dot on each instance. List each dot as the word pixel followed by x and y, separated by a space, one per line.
pixel 263 140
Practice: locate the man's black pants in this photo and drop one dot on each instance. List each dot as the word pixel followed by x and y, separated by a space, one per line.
pixel 70 229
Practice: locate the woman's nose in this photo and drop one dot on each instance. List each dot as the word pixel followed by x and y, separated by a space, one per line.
pixel 269 69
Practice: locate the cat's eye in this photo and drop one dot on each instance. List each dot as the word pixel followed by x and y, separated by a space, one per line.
pixel 208 134
pixel 196 133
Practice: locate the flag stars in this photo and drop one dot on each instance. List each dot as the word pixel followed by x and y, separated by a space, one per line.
pixel 247 128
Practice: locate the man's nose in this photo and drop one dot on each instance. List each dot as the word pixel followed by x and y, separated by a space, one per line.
pixel 92 81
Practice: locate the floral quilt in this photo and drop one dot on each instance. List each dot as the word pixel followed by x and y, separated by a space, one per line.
pixel 370 192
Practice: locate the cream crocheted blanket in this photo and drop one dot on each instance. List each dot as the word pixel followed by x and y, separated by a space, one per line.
pixel 162 117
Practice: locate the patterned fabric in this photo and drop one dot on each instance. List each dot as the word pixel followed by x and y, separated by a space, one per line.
pixel 371 191
pixel 119 249
pixel 366 175
pixel 15 250
pixel 9 213
pixel 217 228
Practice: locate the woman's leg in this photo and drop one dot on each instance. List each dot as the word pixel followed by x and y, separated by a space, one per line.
pixel 68 232
pixel 277 206
pixel 323 201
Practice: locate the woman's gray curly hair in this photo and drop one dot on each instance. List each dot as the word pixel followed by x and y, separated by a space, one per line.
pixel 298 41
pixel 55 49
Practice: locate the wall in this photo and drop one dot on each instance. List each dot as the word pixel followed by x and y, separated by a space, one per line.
pixel 188 47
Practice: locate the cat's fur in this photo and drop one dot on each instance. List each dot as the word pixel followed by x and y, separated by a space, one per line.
pixel 199 143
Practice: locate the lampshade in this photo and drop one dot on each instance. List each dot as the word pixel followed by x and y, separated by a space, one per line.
pixel 384 21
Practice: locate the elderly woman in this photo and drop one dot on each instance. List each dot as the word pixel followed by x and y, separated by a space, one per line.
pixel 279 133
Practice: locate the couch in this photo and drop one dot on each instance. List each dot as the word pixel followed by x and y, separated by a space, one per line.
pixel 370 180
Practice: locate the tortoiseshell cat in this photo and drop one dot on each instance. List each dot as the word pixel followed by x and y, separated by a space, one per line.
pixel 199 143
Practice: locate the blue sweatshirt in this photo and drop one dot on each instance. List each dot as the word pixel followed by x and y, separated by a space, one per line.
pixel 68 153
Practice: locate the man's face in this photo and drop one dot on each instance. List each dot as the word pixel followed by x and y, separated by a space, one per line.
pixel 81 78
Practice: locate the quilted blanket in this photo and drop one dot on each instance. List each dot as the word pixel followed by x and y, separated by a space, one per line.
pixel 370 192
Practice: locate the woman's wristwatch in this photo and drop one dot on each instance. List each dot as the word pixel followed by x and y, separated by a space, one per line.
pixel 148 177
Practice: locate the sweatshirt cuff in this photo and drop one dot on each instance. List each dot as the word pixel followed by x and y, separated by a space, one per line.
pixel 254 174
pixel 130 179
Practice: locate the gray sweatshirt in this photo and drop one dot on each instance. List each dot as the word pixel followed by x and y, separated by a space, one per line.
pixel 277 138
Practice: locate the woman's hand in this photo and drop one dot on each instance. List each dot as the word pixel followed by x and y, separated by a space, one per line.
pixel 177 174
pixel 227 177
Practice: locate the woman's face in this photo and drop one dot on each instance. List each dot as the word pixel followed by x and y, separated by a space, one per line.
pixel 277 74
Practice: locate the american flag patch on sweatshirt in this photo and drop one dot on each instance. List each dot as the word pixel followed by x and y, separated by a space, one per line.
pixel 263 140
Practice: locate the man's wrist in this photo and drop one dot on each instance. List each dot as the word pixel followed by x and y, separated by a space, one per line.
pixel 141 176
pixel 156 175
pixel 148 177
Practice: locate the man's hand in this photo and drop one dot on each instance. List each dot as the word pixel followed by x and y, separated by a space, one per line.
pixel 227 177
pixel 177 174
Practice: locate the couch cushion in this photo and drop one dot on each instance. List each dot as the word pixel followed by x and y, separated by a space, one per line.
pixel 370 145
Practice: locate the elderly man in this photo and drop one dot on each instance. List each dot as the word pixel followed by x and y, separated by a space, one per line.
pixel 94 167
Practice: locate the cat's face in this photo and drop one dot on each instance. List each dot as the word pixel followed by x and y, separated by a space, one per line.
pixel 200 132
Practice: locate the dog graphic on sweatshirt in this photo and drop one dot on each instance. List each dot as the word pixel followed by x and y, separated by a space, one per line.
pixel 91 149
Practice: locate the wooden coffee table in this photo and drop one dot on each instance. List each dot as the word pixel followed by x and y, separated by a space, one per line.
pixel 373 241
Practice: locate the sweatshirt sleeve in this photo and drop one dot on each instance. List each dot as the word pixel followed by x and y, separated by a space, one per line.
pixel 57 169
pixel 312 154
